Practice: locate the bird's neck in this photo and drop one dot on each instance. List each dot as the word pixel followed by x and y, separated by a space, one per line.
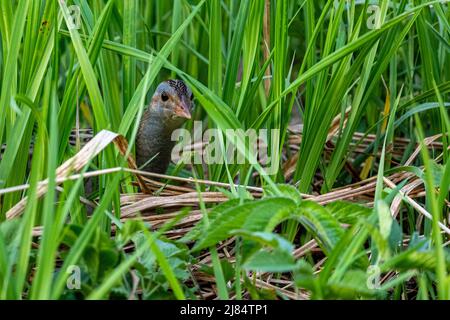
pixel 154 141
pixel 157 126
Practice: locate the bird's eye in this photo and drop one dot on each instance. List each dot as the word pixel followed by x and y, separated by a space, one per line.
pixel 164 96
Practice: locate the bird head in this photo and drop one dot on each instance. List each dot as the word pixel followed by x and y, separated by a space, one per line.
pixel 173 102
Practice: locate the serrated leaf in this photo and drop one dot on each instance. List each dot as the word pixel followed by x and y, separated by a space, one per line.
pixel 321 223
pixel 286 190
pixel 227 268
pixel 353 285
pixel 304 276
pixel 197 231
pixel 270 261
pixel 266 239
pixel 347 212
pixel 414 259
pixel 252 216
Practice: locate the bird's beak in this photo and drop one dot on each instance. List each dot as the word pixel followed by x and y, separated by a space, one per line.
pixel 182 111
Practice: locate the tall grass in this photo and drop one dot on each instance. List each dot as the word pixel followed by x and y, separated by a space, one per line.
pixel 341 69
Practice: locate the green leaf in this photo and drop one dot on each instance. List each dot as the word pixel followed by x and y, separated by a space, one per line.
pixel 227 269
pixel 415 258
pixel 304 276
pixel 197 231
pixel 12 61
pixel 88 71
pixel 384 219
pixel 252 216
pixel 353 285
pixel 270 261
pixel 272 240
pixel 321 223
pixel 347 212
pixel 155 65
pixel 286 190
